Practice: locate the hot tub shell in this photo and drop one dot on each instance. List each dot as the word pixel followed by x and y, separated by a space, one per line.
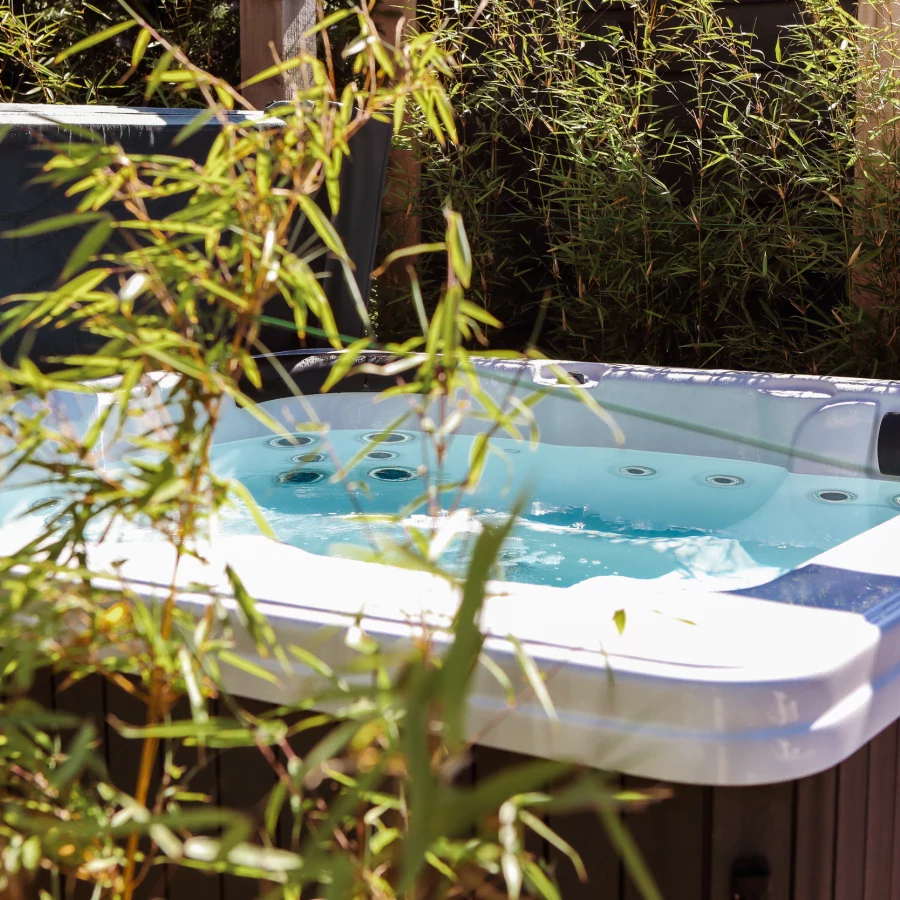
pixel 766 684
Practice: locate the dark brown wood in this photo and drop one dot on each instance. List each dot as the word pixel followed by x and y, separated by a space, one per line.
pixel 488 761
pixel 202 768
pixel 814 833
pixel 850 839
pixel 85 699
pixel 895 848
pixel 749 822
pixel 279 26
pixel 301 744
pixel 585 834
pixel 124 763
pixel 671 837
pixel 881 791
pixel 42 688
pixel 833 836
pixel 246 779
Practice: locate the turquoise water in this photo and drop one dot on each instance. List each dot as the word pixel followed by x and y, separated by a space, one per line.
pixel 589 511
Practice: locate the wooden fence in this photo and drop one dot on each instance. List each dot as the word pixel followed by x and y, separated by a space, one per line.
pixel 833 836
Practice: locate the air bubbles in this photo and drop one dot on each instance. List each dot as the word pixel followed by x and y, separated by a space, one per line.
pixel 387 437
pixel 45 505
pixel 637 471
pixel 299 477
pixel 393 474
pixel 291 441
pixel 724 480
pixel 835 496
pixel 67 520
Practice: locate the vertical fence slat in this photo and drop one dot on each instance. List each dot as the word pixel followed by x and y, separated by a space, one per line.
pixel 748 822
pixel 85 699
pixel 880 814
pixel 488 761
pixel 124 766
pixel 301 744
pixel 185 883
pixel 42 688
pixel 245 781
pixel 261 24
pixel 814 837
pixel 284 24
pixel 850 842
pixel 895 843
pixel 670 835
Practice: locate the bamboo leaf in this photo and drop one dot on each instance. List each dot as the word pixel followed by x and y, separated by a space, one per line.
pixel 89 246
pixel 534 677
pixel 55 223
pixel 271 72
pixel 142 42
pixel 323 227
pixel 250 668
pixel 94 39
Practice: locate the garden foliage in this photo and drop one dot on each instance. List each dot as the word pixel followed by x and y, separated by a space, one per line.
pixel 683 191
pixel 366 800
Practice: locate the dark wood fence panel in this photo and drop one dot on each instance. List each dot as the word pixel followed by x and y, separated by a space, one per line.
pixel 672 836
pixel 833 836
pixel 749 823
pixel 850 843
pixel 246 780
pixel 814 829
pixel 879 830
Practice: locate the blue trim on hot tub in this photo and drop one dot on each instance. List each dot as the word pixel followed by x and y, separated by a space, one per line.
pixel 877 597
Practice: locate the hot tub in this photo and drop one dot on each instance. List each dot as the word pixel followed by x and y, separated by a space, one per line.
pixel 747 525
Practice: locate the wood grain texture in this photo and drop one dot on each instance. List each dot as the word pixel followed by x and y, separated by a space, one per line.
pixel 670 835
pixel 850 839
pixel 202 768
pixel 261 29
pixel 124 764
pixel 814 837
pixel 749 822
pixel 281 25
pixel 881 791
pixel 488 761
pixel 895 844
pixel 246 779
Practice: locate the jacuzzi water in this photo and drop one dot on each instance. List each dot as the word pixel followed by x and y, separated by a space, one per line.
pixel 748 529
pixel 588 511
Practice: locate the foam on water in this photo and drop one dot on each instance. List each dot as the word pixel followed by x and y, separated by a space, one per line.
pixel 590 511
pixel 587 511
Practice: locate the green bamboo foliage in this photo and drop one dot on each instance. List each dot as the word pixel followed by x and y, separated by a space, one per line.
pixel 369 795
pixel 686 195
pixel 33 32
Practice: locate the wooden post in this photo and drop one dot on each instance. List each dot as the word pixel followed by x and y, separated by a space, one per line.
pixel 400 219
pixel 883 17
pixel 282 26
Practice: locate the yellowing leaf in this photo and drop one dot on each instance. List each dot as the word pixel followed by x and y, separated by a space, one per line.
pixel 140 47
pixel 94 39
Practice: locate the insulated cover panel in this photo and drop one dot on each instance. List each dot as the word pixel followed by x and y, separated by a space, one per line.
pixel 33 264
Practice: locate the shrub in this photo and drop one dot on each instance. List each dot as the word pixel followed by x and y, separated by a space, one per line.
pixel 682 194
pixel 373 807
